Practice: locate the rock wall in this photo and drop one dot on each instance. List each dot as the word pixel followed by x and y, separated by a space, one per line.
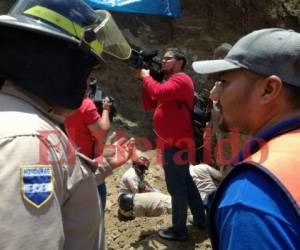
pixel 203 25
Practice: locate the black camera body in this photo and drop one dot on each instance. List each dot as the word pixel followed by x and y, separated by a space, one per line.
pixel 146 60
pixel 112 111
pixel 96 96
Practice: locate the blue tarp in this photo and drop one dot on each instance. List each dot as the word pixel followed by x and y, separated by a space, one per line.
pixel 154 7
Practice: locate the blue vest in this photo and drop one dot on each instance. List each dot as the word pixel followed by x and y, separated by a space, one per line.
pixel 260 156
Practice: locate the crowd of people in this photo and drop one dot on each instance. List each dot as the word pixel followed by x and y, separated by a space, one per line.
pixel 53 179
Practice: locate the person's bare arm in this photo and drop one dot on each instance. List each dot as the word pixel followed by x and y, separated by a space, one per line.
pixel 133 185
pixel 148 187
pixel 101 128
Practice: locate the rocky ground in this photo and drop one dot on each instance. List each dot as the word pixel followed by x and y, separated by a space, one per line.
pixel 141 233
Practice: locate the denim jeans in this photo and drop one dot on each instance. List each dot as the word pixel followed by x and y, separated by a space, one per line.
pixel 102 193
pixel 183 191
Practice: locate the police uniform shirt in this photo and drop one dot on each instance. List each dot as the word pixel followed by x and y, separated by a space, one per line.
pixel 49 199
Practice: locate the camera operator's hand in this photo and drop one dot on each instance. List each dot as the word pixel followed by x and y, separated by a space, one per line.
pixel 117 153
pixel 106 104
pixel 141 73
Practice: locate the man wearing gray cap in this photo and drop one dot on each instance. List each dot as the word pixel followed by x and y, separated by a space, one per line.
pixel 257 206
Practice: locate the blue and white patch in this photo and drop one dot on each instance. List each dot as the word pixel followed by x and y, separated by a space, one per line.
pixel 37 184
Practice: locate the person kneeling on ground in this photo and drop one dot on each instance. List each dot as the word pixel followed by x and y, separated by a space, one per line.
pixel 206 178
pixel 136 196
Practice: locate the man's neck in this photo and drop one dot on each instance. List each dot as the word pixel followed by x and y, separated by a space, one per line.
pixel 168 75
pixel 277 119
pixel 55 112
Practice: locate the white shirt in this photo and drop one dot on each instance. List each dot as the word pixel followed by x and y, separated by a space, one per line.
pixel 204 175
pixel 130 182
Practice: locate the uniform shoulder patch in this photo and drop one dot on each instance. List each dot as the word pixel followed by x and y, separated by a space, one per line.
pixel 37 184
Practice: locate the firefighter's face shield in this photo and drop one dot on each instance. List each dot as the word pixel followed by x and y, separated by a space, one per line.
pixel 110 36
pixel 94 29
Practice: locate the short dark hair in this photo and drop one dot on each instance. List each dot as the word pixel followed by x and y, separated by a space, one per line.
pixel 178 55
pixel 222 50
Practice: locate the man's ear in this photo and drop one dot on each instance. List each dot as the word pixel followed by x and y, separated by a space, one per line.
pixel 180 63
pixel 271 88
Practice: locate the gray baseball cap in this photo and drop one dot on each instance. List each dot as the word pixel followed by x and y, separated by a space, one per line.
pixel 266 52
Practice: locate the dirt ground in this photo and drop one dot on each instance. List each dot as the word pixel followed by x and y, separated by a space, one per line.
pixel 141 233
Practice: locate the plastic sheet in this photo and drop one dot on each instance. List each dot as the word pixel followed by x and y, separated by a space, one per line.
pixel 170 8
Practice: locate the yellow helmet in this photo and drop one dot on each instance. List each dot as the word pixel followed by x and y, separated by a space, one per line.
pixel 73 21
pixel 49 47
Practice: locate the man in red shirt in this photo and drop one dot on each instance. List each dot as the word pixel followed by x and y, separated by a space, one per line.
pixel 86 128
pixel 173 127
pixel 85 125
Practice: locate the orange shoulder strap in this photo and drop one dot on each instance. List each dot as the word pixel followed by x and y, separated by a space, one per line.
pixel 281 156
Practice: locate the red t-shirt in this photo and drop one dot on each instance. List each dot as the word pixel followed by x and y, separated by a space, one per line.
pixel 172 122
pixel 76 126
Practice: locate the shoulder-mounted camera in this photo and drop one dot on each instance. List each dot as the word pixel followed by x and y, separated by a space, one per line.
pixel 147 60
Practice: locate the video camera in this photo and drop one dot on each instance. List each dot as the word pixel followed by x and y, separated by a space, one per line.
pixel 96 96
pixel 146 60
